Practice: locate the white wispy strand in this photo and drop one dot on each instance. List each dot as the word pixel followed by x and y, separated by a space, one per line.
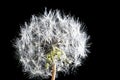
pixel 41 33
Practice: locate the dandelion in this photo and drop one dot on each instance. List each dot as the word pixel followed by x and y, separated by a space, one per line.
pixel 51 43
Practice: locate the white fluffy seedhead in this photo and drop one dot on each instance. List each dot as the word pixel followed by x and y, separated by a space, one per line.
pixel 37 38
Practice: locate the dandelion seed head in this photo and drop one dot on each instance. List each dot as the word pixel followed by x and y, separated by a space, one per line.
pixel 37 38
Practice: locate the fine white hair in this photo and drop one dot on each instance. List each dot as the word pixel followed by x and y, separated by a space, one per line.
pixel 37 37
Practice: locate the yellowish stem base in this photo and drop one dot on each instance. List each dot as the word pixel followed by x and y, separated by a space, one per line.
pixel 53 72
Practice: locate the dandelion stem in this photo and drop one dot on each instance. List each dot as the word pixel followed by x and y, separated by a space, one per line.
pixel 53 71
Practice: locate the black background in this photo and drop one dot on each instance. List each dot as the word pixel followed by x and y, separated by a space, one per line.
pixel 95 15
